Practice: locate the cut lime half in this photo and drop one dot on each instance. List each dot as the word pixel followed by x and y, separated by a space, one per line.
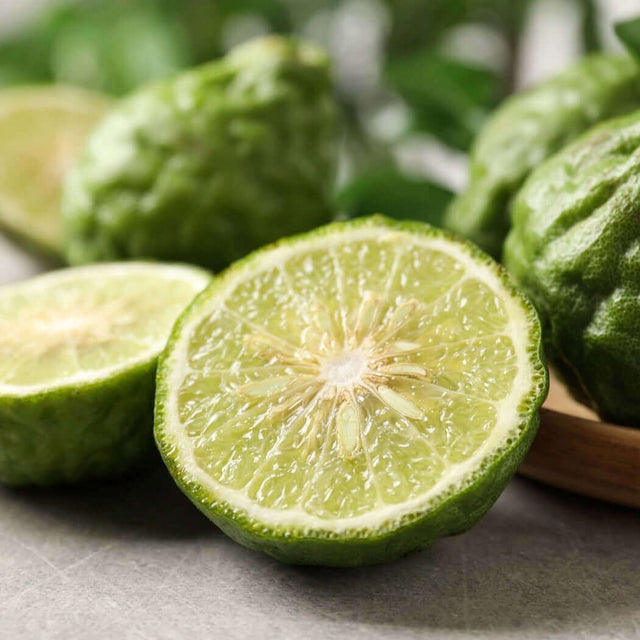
pixel 351 394
pixel 78 352
pixel 42 131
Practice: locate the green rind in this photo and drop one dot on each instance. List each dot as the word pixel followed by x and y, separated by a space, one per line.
pixel 528 128
pixel 209 165
pixel 451 514
pixel 74 433
pixel 575 250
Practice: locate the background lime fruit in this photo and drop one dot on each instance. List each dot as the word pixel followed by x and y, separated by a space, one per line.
pixel 351 394
pixel 43 129
pixel 528 128
pixel 78 352
pixel 211 164
pixel 575 249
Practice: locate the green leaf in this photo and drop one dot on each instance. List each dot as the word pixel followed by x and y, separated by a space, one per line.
pixel 629 33
pixel 449 99
pixel 17 67
pixel 205 20
pixel 116 45
pixel 418 23
pixel 115 48
pixel 24 58
pixel 384 189
pixel 590 24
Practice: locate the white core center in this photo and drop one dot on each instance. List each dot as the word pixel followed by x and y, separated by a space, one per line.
pixel 345 369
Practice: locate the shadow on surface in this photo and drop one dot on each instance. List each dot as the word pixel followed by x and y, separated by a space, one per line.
pixel 541 559
pixel 19 260
pixel 145 505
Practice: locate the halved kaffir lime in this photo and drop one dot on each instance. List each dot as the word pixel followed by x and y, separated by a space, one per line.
pixel 78 354
pixel 351 394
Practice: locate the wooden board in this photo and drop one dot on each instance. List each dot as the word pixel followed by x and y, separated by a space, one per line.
pixel 575 450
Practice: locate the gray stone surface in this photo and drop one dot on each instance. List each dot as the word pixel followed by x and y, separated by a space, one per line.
pixel 135 560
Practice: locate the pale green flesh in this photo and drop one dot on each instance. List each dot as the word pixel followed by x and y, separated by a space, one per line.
pixel 347 379
pixel 78 324
pixel 42 131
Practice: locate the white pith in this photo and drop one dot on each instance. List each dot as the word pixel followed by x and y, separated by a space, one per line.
pixel 62 325
pixel 339 372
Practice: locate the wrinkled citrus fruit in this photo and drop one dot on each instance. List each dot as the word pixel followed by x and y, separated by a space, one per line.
pixel 211 164
pixel 575 249
pixel 528 128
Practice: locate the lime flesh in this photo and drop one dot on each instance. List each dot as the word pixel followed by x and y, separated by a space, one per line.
pixel 43 130
pixel 78 352
pixel 351 394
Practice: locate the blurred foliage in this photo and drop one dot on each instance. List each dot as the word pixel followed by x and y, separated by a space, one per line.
pixel 116 45
pixel 629 33
pixel 419 23
pixel 448 99
pixel 385 189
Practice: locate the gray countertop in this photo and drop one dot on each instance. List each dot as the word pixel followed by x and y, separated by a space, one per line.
pixel 136 560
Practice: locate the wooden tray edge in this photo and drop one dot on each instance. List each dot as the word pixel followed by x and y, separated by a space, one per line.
pixel 596 459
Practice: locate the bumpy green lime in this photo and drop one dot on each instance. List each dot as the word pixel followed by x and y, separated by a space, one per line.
pixel 352 394
pixel 43 129
pixel 575 249
pixel 528 128
pixel 207 166
pixel 78 352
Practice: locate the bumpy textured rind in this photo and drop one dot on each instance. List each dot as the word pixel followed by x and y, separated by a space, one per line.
pixel 211 164
pixel 75 432
pixel 527 129
pixel 450 514
pixel 575 249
